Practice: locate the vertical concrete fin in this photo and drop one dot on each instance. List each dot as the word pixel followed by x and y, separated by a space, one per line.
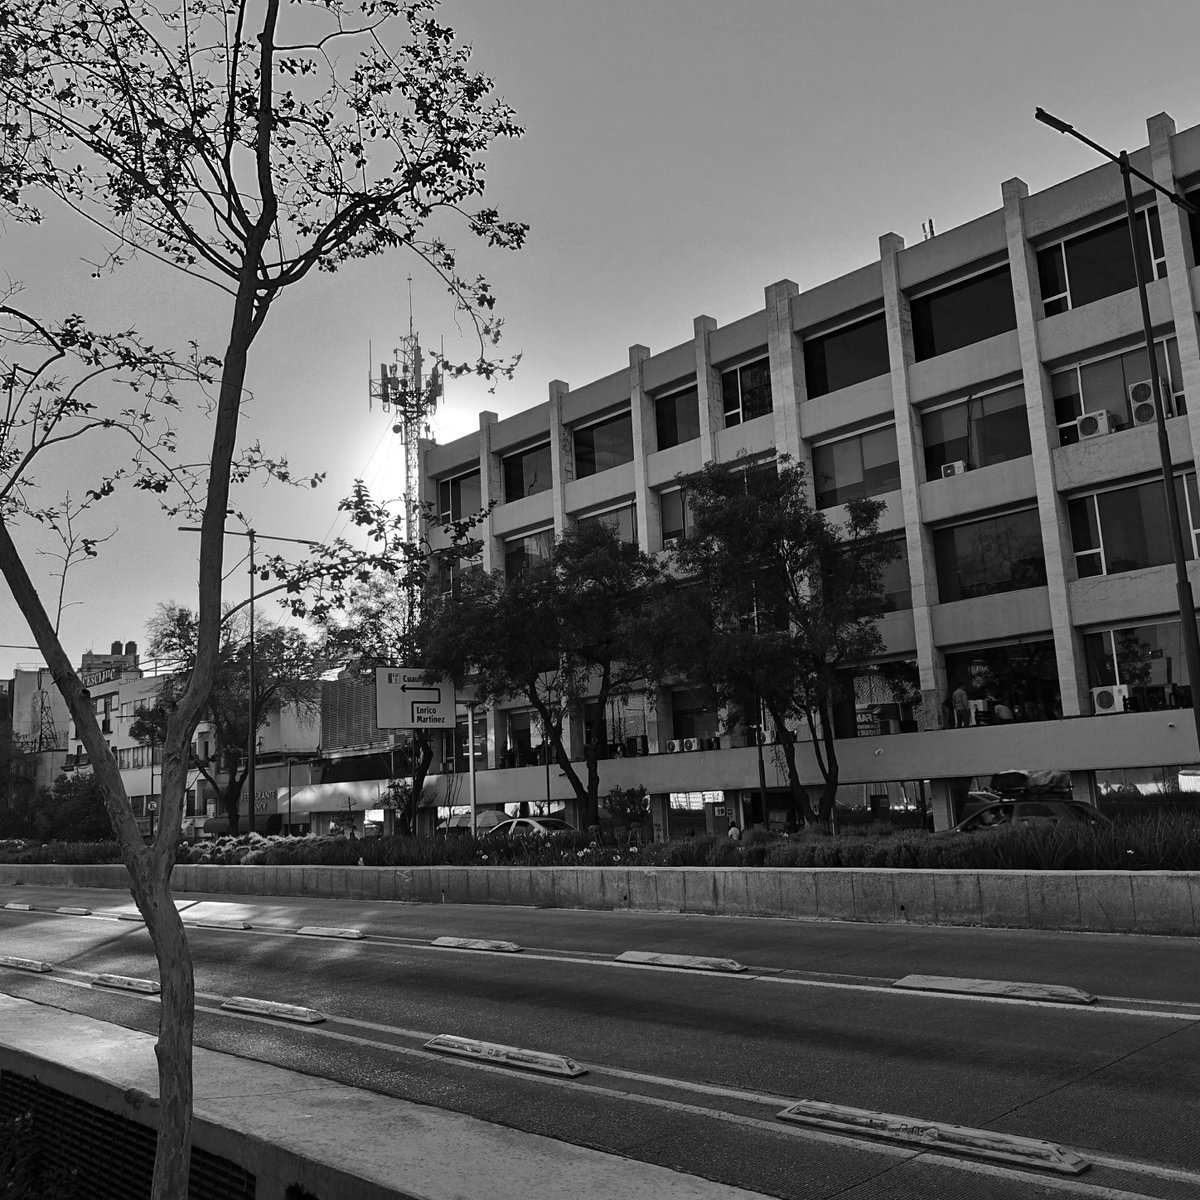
pixel 787 368
pixel 641 415
pixel 708 388
pixel 562 455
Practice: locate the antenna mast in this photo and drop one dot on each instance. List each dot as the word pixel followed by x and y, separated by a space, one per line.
pixel 403 389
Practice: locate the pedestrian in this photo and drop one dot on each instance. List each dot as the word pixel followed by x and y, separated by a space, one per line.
pixel 962 707
pixel 733 833
pixel 1002 712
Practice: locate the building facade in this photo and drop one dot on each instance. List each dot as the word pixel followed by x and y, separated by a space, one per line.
pixel 989 384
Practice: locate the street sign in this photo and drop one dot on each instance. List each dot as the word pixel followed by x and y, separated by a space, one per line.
pixel 403 700
pixel 152 806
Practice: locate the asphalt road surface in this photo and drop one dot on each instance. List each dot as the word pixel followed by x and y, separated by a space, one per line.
pixel 688 1068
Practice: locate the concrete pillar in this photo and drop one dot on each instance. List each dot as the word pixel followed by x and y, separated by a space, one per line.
pixel 660 815
pixel 1043 439
pixel 911 452
pixel 708 388
pixel 1177 245
pixel 641 413
pixel 941 804
pixel 491 488
pixel 562 455
pixel 787 368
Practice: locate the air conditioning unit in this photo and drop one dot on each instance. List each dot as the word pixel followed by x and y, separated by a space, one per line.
pixel 954 468
pixel 674 746
pixel 691 744
pixel 1110 699
pixel 448 767
pixel 765 738
pixel 1141 401
pixel 669 543
pixel 1096 424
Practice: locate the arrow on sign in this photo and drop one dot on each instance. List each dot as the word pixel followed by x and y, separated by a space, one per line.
pixel 437 691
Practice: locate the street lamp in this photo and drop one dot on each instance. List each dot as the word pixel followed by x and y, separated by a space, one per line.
pixel 1183 586
pixel 252 534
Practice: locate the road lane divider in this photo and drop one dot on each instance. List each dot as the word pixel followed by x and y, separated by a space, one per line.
pixel 937 1135
pixel 127 983
pixel 215 923
pixel 273 1008
pixel 457 943
pixel 685 962
pixel 69 911
pixel 324 931
pixel 20 907
pixel 1054 992
pixel 506 1056
pixel 24 964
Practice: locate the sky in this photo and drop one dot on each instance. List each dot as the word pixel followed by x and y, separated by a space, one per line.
pixel 679 157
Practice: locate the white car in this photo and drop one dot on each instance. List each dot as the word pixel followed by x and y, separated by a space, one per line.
pixel 530 827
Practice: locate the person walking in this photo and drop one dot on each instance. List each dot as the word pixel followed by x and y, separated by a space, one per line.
pixel 733 833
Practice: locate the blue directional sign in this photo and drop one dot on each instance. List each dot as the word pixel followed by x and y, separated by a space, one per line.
pixel 404 699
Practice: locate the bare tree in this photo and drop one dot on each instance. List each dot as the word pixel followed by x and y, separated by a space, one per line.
pixel 245 145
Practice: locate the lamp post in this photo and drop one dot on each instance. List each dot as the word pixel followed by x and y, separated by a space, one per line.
pixel 291 762
pixel 1183 586
pixel 252 727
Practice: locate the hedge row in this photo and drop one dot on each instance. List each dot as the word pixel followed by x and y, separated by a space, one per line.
pixel 1164 841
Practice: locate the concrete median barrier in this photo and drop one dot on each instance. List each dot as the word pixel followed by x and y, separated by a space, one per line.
pixel 1150 902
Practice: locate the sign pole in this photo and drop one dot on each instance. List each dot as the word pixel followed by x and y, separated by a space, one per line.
pixel 471 760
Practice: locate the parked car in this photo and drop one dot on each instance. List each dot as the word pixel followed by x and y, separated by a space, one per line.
pixel 1042 811
pixel 530 827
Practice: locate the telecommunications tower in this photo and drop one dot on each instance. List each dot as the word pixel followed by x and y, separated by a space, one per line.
pixel 403 389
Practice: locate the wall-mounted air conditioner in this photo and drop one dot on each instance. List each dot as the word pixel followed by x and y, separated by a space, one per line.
pixel 674 746
pixel 448 766
pixel 690 744
pixel 1096 424
pixel 669 543
pixel 1141 401
pixel 1110 699
pixel 958 467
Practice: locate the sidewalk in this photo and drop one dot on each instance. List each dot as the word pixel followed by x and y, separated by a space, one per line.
pixel 336 1142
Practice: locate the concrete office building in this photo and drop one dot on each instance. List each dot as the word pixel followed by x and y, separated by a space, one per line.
pixel 989 384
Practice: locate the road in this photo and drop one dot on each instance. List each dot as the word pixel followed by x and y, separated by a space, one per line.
pixel 690 1069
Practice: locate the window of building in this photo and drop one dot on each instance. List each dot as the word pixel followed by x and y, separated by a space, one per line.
pixel 746 391
pixel 677 418
pixel 676 514
pixel 1104 384
pixel 1125 529
pixel 997 554
pixel 527 472
pixel 846 356
pixel 694 713
pixel 459 497
pixel 864 465
pixel 1020 676
pixel 602 446
pixel 1143 667
pixel 877 700
pixel 977 308
pixel 977 431
pixel 622 521
pixel 457 744
pixel 896 580
pixel 1098 263
pixel 520 553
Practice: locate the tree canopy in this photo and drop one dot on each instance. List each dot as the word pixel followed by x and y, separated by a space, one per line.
pixel 777 601
pixel 556 635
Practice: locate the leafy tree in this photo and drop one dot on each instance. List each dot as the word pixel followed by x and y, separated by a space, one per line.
pixel 287 669
pixel 557 635
pixel 631 806
pixel 245 145
pixel 778 601
pixel 73 811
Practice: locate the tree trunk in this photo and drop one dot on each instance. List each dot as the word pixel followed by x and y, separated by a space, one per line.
pixel 799 795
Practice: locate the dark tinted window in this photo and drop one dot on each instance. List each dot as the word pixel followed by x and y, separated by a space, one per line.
pixel 746 392
pixel 866 465
pixel 967 312
pixel 981 558
pixel 978 432
pixel 603 446
pixel 836 360
pixel 527 473
pixel 677 418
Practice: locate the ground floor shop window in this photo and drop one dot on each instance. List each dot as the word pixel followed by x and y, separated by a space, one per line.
pixel 991 685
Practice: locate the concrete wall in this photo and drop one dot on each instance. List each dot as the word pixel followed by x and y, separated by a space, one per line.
pixel 1149 902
